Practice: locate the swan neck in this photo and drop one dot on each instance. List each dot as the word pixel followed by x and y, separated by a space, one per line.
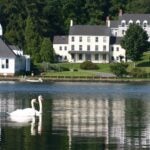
pixel 40 105
pixel 32 104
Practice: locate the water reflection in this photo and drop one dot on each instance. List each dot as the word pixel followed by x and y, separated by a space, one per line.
pixel 102 119
pixel 78 117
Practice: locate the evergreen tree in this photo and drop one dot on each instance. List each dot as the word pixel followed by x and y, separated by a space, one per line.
pixel 32 40
pixel 47 52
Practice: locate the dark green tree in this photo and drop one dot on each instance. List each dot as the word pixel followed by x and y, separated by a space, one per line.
pixel 47 52
pixel 135 42
pixel 32 40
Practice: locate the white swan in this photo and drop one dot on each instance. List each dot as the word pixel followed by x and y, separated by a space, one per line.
pixel 40 99
pixel 26 115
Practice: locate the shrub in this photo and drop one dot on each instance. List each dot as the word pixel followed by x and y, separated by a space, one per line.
pixel 138 73
pixel 88 65
pixel 119 69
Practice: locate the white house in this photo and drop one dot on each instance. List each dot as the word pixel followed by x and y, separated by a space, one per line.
pixel 96 43
pixel 12 60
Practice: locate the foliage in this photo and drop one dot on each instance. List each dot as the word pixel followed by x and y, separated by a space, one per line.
pixel 88 65
pixel 47 52
pixel 138 73
pixel 27 23
pixel 119 69
pixel 32 40
pixel 135 42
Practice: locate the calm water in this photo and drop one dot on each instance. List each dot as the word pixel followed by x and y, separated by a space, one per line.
pixel 77 116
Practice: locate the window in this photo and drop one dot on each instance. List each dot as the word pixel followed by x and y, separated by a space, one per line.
pixel 60 48
pixel 123 32
pixel 65 58
pixel 72 38
pixel 80 39
pixel 96 39
pixel 104 39
pixel 96 57
pixel 117 48
pixel 72 56
pixel 88 47
pixel 65 48
pixel 112 49
pixel 80 56
pixel 123 23
pixel 88 39
pixel 130 22
pixel 80 47
pixel 145 23
pixel 72 47
pixel 112 58
pixel 104 47
pixel 4 63
pixel 96 47
pixel 7 63
pixel 117 58
pixel 104 56
pixel 138 22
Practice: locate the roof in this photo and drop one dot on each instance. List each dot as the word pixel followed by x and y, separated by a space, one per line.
pixel 114 23
pixel 89 30
pixel 115 40
pixel 14 47
pixel 5 51
pixel 135 17
pixel 60 40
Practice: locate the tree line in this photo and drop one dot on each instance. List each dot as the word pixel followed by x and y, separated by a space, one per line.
pixel 31 24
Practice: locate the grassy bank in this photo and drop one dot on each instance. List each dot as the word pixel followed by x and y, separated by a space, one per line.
pixel 73 69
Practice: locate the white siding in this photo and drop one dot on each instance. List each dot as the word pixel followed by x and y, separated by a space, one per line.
pixel 11 66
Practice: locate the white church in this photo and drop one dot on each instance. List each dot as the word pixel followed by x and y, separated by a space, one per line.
pixel 97 43
pixel 12 59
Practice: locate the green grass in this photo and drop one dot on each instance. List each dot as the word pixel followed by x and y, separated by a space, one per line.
pixel 143 64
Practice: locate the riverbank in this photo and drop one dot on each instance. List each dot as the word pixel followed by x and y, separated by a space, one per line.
pixel 75 79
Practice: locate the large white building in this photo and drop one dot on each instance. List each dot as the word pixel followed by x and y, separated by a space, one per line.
pixel 96 43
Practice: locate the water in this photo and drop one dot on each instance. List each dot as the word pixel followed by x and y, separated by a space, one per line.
pixel 77 116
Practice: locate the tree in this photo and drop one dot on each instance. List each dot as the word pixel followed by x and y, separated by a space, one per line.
pixel 135 42
pixel 119 69
pixel 47 52
pixel 32 40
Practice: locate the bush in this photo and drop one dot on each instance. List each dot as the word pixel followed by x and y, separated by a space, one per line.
pixel 88 65
pixel 119 69
pixel 138 73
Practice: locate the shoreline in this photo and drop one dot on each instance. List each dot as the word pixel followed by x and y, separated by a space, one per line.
pixel 78 79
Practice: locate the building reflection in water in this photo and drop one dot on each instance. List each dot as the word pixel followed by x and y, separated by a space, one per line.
pixel 94 118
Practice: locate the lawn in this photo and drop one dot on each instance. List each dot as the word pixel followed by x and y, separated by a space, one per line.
pixel 74 68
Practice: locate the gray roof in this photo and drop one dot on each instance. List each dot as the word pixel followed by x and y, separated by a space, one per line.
pixel 60 40
pixel 135 17
pixel 14 47
pixel 114 23
pixel 89 30
pixel 115 40
pixel 5 51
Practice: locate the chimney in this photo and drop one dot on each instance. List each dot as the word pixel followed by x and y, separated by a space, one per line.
pixel 120 12
pixel 108 21
pixel 71 23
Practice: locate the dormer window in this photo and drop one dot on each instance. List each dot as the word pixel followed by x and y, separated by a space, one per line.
pixel 138 22
pixel 130 22
pixel 123 23
pixel 145 23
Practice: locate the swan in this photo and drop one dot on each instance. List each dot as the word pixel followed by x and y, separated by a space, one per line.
pixel 26 115
pixel 38 113
pixel 23 115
